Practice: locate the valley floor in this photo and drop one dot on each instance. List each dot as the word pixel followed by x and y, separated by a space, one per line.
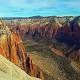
pixel 54 66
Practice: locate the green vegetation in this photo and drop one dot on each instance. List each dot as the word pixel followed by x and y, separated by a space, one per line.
pixel 52 65
pixel 65 67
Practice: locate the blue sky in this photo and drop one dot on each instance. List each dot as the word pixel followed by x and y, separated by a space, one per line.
pixel 25 8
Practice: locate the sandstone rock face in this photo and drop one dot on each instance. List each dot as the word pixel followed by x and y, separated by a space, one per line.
pixel 46 30
pixel 69 34
pixel 12 48
pixel 44 27
pixel 32 69
pixel 9 71
pixel 71 30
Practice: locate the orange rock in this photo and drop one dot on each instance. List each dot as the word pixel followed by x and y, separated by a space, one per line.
pixel 12 48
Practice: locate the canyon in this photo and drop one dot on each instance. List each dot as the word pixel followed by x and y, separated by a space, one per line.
pixel 40 44
pixel 64 29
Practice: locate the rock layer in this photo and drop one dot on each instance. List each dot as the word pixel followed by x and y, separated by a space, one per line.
pixel 64 29
pixel 12 48
pixel 9 71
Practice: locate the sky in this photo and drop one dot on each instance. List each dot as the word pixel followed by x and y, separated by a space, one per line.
pixel 27 8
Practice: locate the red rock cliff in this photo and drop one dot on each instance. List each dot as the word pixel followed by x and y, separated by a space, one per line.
pixel 12 48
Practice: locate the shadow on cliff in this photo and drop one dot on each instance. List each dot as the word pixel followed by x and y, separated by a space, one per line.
pixel 70 35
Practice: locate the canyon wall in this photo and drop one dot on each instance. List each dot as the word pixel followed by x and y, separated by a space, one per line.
pixel 12 48
pixel 64 29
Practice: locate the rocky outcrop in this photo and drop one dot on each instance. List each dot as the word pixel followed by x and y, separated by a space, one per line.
pixel 39 29
pixel 70 31
pixel 32 69
pixel 44 27
pixel 12 48
pixel 9 71
pixel 69 34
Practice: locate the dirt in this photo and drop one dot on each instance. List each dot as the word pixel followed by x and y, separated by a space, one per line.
pixel 57 52
pixel 51 62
